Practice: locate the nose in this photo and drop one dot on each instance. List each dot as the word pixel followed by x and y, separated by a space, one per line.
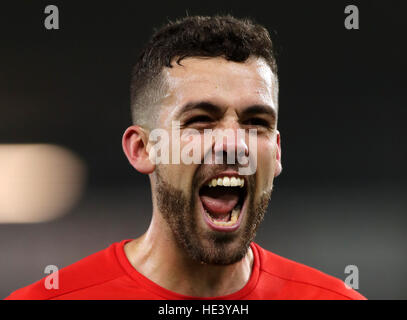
pixel 230 139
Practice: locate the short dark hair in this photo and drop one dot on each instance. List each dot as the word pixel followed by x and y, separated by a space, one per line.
pixel 193 36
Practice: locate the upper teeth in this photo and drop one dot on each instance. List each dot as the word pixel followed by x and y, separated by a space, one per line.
pixel 226 182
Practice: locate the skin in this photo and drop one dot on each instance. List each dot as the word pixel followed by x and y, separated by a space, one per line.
pixel 233 87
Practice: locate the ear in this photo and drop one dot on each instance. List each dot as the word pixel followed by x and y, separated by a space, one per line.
pixel 134 143
pixel 279 167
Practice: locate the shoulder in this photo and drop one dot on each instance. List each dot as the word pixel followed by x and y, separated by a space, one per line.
pixel 94 270
pixel 298 281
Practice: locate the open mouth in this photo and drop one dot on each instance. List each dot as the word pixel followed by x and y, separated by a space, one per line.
pixel 222 198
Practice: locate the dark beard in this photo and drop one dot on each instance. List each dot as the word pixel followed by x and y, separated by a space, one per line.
pixel 224 248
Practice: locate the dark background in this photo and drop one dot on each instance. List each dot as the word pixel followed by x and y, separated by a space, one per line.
pixel 341 198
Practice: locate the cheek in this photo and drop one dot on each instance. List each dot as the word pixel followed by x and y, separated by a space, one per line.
pixel 181 173
pixel 266 164
pixel 266 153
pixel 180 176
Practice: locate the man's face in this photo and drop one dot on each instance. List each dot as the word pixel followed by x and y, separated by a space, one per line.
pixel 215 224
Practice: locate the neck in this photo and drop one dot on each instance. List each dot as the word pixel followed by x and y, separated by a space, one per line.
pixel 157 256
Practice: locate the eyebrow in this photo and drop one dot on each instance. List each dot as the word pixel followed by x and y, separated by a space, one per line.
pixel 215 109
pixel 200 105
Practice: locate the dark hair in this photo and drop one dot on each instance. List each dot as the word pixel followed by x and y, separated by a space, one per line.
pixel 194 36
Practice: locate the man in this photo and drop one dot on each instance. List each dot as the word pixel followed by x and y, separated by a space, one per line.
pixel 200 75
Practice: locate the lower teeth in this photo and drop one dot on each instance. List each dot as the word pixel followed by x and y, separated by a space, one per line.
pixel 233 218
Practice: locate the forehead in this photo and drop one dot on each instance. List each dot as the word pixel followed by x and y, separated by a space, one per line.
pixel 222 82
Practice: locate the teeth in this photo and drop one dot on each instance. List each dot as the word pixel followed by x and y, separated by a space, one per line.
pixel 235 215
pixel 233 218
pixel 227 182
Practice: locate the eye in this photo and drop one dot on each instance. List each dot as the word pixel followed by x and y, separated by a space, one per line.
pixel 198 119
pixel 257 122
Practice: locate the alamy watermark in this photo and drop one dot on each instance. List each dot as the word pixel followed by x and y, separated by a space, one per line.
pixel 52 20
pixel 51 281
pixel 197 148
pixel 352 280
pixel 352 20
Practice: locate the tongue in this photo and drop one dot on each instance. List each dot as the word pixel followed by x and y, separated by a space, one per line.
pixel 219 202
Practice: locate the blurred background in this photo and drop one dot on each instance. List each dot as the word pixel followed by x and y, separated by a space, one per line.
pixel 67 190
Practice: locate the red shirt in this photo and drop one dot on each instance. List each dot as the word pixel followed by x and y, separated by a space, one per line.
pixel 108 274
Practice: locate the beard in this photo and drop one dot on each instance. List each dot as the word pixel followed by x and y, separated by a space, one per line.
pixel 179 210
